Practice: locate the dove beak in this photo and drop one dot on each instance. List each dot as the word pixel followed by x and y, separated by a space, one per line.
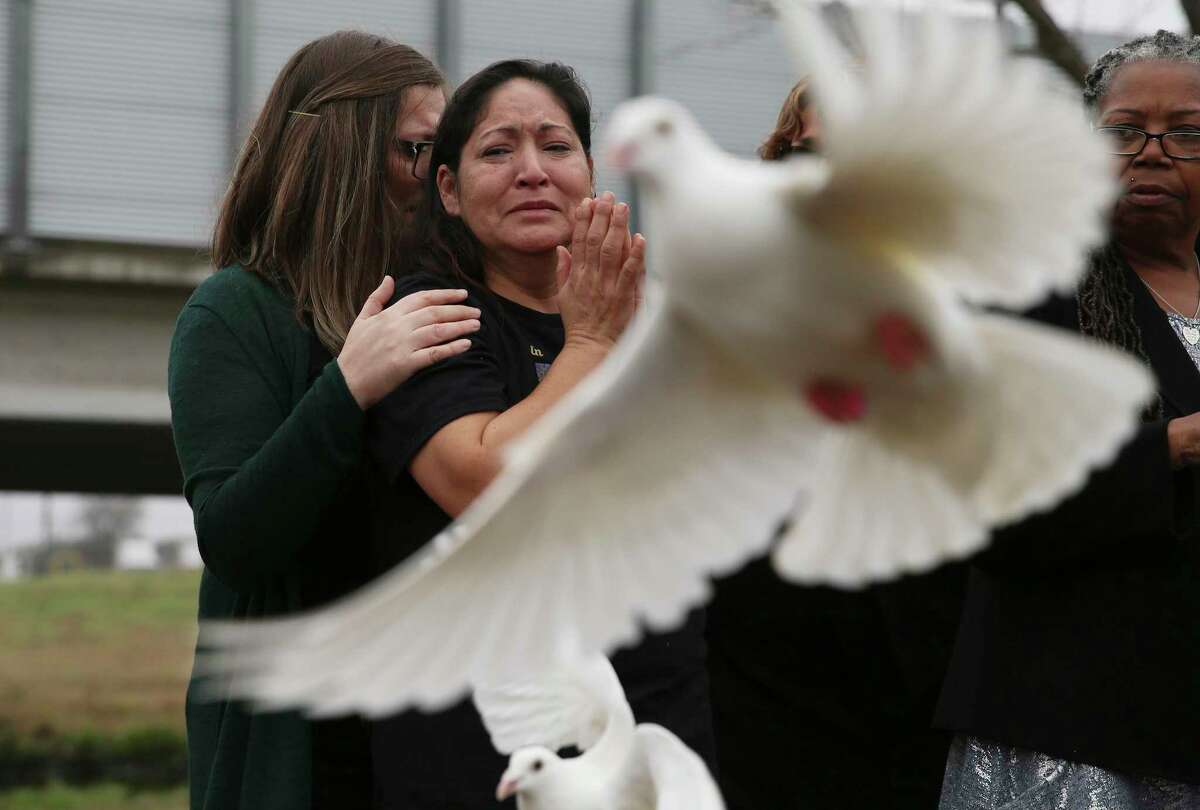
pixel 621 156
pixel 506 788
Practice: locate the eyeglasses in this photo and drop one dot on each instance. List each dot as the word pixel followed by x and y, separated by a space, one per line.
pixel 805 146
pixel 418 153
pixel 1180 145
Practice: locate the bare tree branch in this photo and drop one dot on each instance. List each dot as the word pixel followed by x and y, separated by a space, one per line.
pixel 1191 10
pixel 1053 43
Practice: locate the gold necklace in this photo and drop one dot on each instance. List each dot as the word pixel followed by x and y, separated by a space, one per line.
pixel 1190 332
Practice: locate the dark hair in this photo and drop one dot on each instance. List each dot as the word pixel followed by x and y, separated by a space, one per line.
pixel 309 205
pixel 441 243
pixel 1165 46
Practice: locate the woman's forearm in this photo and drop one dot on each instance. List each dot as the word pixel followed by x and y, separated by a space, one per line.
pixel 463 458
pixel 576 360
pixel 256 475
pixel 252 520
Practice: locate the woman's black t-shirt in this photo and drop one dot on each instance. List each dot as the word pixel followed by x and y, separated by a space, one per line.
pixel 445 760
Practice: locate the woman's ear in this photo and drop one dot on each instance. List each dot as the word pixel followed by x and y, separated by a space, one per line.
pixel 447 185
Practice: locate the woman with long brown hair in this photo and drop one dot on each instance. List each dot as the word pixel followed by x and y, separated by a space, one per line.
pixel 275 360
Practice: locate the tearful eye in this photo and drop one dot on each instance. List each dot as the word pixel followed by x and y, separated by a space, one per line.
pixel 663 127
pixel 537 765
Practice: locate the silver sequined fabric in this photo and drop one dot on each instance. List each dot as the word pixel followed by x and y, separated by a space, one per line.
pixel 982 775
pixel 1178 324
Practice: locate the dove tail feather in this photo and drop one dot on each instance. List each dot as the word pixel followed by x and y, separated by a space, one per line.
pixel 1060 405
pixel 878 514
pixel 1049 408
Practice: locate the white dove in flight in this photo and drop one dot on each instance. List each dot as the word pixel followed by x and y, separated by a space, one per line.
pixel 807 353
pixel 622 766
pixel 949 174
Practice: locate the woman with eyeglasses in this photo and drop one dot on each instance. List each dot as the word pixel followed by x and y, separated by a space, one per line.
pixel 275 359
pixel 1075 680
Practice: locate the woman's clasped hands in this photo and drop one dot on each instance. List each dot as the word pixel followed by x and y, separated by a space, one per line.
pixel 600 275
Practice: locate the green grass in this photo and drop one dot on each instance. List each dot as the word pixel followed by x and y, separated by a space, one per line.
pixel 95 605
pixel 96 650
pixel 96 797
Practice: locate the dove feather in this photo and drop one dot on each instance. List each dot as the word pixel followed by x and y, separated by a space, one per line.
pixel 1050 436
pixel 931 164
pixel 1048 408
pixel 587 533
pixel 574 703
pixel 667 775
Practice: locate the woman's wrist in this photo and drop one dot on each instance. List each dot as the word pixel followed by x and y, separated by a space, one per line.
pixel 587 342
pixel 353 384
pixel 1183 443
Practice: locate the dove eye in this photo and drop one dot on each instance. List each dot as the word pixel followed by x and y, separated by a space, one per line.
pixel 663 127
pixel 537 765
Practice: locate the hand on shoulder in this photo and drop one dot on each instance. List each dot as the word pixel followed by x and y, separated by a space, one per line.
pixel 387 344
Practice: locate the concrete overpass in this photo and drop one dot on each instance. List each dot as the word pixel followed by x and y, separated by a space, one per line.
pixel 84 335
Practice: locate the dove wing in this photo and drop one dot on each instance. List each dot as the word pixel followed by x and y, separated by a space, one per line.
pixel 666 465
pixel 947 155
pixel 668 775
pixel 568 705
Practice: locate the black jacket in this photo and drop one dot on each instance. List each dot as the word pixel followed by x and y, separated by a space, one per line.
pixel 1080 635
pixel 822 698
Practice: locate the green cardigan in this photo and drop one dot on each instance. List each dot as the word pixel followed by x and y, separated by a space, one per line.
pixel 272 470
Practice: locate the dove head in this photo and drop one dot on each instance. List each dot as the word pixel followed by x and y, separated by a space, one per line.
pixel 528 769
pixel 649 136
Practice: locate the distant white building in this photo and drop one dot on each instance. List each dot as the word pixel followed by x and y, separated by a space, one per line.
pixel 136 554
pixel 153 554
pixel 179 552
pixel 11 566
pixel 191 557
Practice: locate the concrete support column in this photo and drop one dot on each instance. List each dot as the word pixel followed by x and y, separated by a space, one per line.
pixel 449 39
pixel 641 54
pixel 19 243
pixel 241 72
pixel 641 73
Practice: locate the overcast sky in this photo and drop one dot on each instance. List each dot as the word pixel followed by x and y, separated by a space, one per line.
pixel 1129 16
pixel 22 516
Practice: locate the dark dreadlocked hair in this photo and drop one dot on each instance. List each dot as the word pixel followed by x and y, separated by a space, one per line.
pixel 1104 299
pixel 1106 310
pixel 1165 46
